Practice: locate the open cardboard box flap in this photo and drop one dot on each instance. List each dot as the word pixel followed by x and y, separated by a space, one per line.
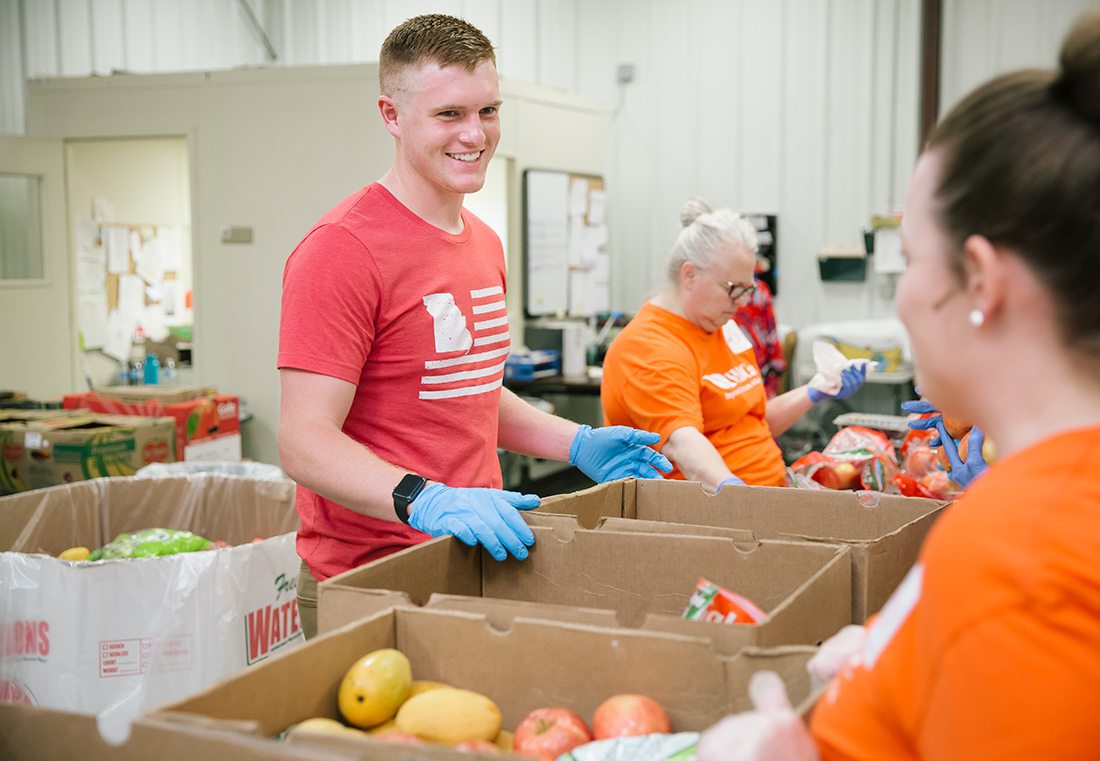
pixel 527 665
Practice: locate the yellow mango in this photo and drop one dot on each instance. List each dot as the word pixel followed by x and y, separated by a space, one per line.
pixel 505 741
pixel 320 726
pixel 375 687
pixel 381 729
pixel 75 553
pixel 424 685
pixel 450 716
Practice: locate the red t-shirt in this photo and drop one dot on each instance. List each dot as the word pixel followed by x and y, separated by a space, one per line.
pixel 991 647
pixel 415 317
pixel 663 373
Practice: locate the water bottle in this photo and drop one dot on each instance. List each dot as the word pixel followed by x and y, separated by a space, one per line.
pixel 169 374
pixel 152 370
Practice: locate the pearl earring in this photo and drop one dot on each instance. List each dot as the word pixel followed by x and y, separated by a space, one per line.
pixel 977 317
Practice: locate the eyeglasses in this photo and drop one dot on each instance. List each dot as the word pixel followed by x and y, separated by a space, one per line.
pixel 737 291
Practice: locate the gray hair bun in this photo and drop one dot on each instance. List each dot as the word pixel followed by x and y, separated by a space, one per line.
pixel 1078 83
pixel 692 209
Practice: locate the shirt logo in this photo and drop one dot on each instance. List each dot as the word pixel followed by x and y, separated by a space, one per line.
pixel 489 340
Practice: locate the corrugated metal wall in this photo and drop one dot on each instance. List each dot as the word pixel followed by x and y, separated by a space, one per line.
pixel 804 107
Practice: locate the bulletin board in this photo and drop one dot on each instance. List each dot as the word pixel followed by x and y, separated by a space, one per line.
pixel 566 259
pixel 126 283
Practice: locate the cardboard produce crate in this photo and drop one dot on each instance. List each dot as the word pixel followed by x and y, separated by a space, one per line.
pixel 49 450
pixel 27 732
pixel 607 577
pixel 201 414
pixel 528 664
pixel 116 637
pixel 885 532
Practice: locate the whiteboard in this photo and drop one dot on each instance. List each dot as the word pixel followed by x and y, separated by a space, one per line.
pixel 567 263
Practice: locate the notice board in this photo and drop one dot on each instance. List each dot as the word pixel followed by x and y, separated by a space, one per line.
pixel 566 260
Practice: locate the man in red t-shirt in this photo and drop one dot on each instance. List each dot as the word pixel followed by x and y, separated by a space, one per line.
pixel 394 334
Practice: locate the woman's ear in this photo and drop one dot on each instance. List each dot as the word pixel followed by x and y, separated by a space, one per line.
pixel 688 273
pixel 984 265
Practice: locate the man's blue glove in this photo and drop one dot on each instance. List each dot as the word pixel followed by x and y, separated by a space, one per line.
pixel 487 517
pixel 963 473
pixel 731 481
pixel 851 378
pixel 604 454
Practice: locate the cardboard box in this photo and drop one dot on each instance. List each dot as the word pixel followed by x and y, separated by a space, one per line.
pixel 885 532
pixel 63 449
pixel 163 394
pixel 607 577
pixel 27 732
pixel 117 637
pixel 202 413
pixel 521 665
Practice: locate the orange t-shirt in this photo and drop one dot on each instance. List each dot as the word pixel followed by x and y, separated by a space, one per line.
pixel 663 373
pixel 991 647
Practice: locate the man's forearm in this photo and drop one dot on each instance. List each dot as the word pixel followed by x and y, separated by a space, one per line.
pixel 323 459
pixel 527 430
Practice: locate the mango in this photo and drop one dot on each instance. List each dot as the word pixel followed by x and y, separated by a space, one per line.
pixel 450 716
pixel 375 687
pixel 75 553
pixel 424 685
pixel 506 741
pixel 320 726
pixel 383 728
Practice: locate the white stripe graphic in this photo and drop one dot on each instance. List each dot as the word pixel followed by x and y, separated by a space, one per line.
pixel 495 338
pixel 481 293
pixel 495 323
pixel 464 375
pixel 495 306
pixel 456 392
pixel 469 359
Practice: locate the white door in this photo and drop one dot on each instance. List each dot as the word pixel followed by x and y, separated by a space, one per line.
pixel 37 345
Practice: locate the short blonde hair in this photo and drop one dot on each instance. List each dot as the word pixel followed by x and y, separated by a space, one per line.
pixel 435 37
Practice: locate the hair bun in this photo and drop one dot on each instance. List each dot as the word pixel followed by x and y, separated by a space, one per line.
pixel 692 209
pixel 1079 79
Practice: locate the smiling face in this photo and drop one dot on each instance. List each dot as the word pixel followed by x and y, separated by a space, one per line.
pixel 446 123
pixel 704 293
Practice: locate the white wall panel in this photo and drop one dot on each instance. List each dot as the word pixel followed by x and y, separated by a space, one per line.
pixel 107 41
pixel 983 38
pixel 73 39
pixel 556 30
pixel 11 59
pixel 517 51
pixel 137 30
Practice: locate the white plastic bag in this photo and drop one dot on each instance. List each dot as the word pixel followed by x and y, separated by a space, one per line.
pixel 258 470
pixel 830 363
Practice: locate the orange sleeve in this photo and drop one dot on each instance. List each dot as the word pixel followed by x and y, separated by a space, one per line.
pixel 663 397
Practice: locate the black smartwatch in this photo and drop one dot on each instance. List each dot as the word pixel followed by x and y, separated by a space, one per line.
pixel 405 492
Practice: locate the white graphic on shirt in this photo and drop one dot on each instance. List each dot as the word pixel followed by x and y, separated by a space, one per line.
pixel 735 337
pixel 448 322
pixel 735 381
pixel 479 372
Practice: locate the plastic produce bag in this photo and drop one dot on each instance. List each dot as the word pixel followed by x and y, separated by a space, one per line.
pixel 830 363
pixel 675 747
pixel 152 542
pixel 258 470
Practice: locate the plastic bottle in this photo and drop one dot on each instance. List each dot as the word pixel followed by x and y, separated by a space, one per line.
pixel 168 376
pixel 152 369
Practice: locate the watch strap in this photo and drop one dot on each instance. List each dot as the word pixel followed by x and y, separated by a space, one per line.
pixel 407 489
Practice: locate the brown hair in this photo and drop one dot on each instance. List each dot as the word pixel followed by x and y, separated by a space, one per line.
pixel 435 37
pixel 1021 167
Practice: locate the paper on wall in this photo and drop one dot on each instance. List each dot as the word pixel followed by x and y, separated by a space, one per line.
pixel 131 296
pixel 152 322
pixel 91 274
pixel 117 242
pixel 91 310
pixel 169 297
pixel 102 209
pixel 578 196
pixel 171 247
pixel 150 264
pixel 597 207
pixel 120 331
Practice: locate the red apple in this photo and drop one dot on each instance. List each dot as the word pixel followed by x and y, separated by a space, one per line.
pixel 847 475
pixel 628 716
pixel 546 733
pixel 478 746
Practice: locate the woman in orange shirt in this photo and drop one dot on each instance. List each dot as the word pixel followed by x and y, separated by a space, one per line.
pixel 990 649
pixel 683 369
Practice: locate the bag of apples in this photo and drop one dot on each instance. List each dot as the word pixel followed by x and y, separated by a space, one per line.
pixel 620 721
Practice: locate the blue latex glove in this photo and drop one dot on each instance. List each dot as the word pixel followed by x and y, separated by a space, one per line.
pixel 731 481
pixel 487 517
pixel 851 378
pixel 963 473
pixel 604 454
pixel 923 407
